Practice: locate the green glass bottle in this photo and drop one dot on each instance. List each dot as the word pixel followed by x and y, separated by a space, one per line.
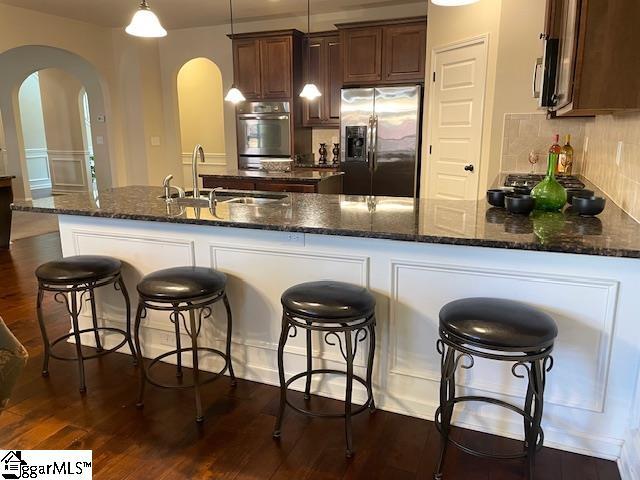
pixel 549 195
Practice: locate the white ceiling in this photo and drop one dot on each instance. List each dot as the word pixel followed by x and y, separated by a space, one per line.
pixel 188 13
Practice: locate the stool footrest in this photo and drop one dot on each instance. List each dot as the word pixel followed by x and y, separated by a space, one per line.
pixel 324 371
pixel 155 361
pixel 95 355
pixel 492 401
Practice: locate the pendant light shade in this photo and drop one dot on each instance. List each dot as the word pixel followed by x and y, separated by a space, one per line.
pixel 145 23
pixel 234 95
pixel 453 3
pixel 310 90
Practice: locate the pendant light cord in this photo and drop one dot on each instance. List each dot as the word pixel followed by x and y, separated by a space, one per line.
pixel 231 11
pixel 308 18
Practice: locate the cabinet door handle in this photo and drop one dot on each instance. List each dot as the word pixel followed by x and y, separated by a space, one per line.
pixel 469 168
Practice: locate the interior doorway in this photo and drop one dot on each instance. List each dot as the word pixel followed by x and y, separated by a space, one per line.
pixel 56 133
pixel 455 124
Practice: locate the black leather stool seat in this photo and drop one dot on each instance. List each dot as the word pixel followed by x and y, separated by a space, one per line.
pixel 182 283
pixel 498 324
pixel 329 301
pixel 78 269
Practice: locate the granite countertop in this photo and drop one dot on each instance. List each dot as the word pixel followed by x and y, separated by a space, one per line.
pixel 297 176
pixel 613 233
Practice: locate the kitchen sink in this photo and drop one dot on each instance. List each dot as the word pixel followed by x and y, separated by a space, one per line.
pixel 254 200
pixel 227 196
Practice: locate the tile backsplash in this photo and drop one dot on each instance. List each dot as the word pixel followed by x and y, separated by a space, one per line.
pixel 324 135
pixel 532 132
pixel 618 179
pixel 596 142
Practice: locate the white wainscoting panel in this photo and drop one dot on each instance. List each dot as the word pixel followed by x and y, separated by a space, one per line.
pixel 38 168
pixel 255 291
pixel 68 170
pixel 583 307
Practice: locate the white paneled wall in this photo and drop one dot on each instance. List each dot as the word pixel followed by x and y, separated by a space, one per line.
pixel 590 391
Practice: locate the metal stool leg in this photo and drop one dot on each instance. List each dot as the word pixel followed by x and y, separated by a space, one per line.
pixel 43 331
pixel 136 336
pixel 229 333
pixel 536 377
pixel 176 323
pixel 348 394
pixel 447 392
pixel 284 334
pixel 196 370
pixel 123 289
pixel 307 388
pixel 74 311
pixel 94 318
pixel 372 351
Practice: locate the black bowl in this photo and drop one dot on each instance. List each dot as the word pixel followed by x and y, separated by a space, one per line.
pixel 578 192
pixel 588 205
pixel 522 190
pixel 496 197
pixel 522 204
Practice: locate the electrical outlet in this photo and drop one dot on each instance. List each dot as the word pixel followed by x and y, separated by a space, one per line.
pixel 155 141
pixel 100 140
pixel 296 238
pixel 619 153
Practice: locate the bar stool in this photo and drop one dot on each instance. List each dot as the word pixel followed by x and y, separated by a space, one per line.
pixel 67 278
pixel 501 330
pixel 333 308
pixel 178 290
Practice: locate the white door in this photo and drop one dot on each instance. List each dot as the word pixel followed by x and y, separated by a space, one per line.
pixel 455 121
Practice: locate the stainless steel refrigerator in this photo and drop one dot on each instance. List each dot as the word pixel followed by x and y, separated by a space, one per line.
pixel 380 138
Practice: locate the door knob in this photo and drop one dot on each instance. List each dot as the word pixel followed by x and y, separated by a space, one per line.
pixel 469 168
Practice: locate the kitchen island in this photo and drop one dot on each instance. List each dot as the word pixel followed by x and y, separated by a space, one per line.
pixel 415 256
pixel 298 180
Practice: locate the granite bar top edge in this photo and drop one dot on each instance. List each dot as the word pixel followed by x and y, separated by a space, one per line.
pixel 630 253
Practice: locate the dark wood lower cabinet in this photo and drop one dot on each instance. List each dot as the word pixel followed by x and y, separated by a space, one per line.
pixel 331 184
pixel 6 199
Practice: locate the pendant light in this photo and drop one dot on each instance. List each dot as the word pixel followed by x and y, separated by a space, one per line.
pixel 234 95
pixel 310 91
pixel 453 3
pixel 145 23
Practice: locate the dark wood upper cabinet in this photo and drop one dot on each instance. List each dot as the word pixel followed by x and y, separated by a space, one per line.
pixel 277 75
pixel 263 64
pixel 404 52
pixel 323 66
pixel 362 54
pixel 378 53
pixel 334 82
pixel 246 66
pixel 598 56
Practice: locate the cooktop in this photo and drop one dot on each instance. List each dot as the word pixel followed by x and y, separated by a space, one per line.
pixel 532 179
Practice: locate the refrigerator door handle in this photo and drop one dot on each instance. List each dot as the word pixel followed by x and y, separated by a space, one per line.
pixel 370 144
pixel 374 142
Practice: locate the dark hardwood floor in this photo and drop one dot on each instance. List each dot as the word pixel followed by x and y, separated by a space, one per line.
pixel 162 441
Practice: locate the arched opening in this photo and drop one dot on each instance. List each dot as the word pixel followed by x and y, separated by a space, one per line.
pixel 56 131
pixel 53 63
pixel 201 112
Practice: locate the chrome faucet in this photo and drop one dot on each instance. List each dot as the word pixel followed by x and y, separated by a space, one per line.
pixel 198 150
pixel 167 189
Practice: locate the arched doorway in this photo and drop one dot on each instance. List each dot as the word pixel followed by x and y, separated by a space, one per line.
pixel 201 113
pixel 18 64
pixel 56 133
